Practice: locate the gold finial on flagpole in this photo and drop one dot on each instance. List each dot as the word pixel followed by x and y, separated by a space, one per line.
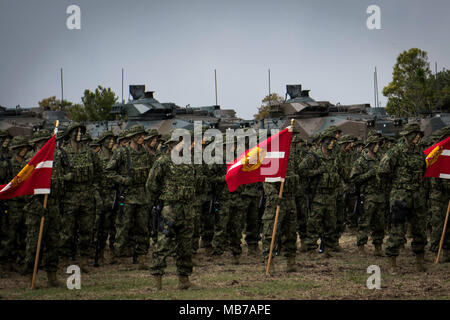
pixel 291 127
pixel 55 131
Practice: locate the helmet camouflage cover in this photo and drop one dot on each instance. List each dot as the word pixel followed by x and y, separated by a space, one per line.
pixel 5 133
pixel 410 128
pixel 41 135
pixel 19 142
pixel 346 138
pixel 134 130
pixel 372 140
pixel 104 135
pixel 73 126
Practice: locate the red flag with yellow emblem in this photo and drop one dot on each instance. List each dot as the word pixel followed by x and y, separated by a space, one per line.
pixel 438 160
pixel 266 162
pixel 35 177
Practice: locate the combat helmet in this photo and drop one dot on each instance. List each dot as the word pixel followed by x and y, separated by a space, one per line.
pixel 169 138
pixel 374 133
pixel 151 133
pixel 87 137
pixel 315 137
pixel 327 134
pixel 298 138
pixel 73 126
pixel 373 139
pixel 5 134
pixel 346 138
pixel 103 136
pixel 445 133
pixel 331 131
pixel 94 143
pixel 134 130
pixel 41 135
pixel 410 128
pixel 19 142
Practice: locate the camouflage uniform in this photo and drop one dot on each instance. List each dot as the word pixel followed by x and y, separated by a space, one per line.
pixel 129 169
pixel 80 172
pixel 228 213
pixel 202 219
pixel 387 182
pixel 363 174
pixel 5 174
pixel 300 200
pixel 286 234
pixel 405 163
pixel 439 198
pixel 250 197
pixel 152 137
pixel 106 214
pixel 16 231
pixel 323 180
pixel 229 221
pixel 344 160
pixel 49 252
pixel 174 185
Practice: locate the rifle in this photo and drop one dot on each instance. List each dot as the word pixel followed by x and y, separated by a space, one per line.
pixel 155 219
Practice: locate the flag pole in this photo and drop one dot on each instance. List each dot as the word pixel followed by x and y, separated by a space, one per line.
pixel 41 231
pixel 36 260
pixel 443 234
pixel 274 231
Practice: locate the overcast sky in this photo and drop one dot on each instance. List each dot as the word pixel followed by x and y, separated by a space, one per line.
pixel 173 47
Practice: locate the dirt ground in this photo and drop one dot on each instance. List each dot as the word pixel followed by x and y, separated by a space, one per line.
pixel 342 276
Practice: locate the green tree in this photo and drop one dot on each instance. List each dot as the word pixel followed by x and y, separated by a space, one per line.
pixel 53 104
pixel 96 105
pixel 441 86
pixel 410 90
pixel 263 111
pixel 77 112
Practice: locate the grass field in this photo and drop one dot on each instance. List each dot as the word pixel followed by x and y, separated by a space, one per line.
pixel 343 276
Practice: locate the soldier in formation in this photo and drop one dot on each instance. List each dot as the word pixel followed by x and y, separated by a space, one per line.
pixel 118 195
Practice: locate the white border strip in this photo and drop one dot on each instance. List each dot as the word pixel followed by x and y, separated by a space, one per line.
pixel 444 176
pixel 237 164
pixel 41 191
pixel 274 179
pixel 44 164
pixel 6 187
pixel 276 155
pixel 445 152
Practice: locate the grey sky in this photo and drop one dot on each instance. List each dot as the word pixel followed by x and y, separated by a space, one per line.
pixel 173 47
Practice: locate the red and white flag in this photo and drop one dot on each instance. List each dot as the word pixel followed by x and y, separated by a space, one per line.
pixel 438 160
pixel 266 162
pixel 35 177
